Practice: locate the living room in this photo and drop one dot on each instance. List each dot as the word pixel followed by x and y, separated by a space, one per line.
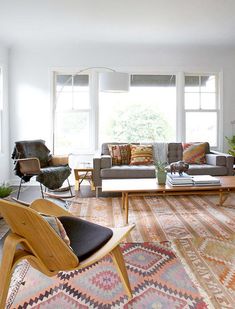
pixel 172 41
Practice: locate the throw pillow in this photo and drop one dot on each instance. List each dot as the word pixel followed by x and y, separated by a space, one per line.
pixel 141 155
pixel 57 227
pixel 120 154
pixel 194 153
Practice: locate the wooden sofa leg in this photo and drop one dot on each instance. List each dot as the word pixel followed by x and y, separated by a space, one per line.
pixel 121 268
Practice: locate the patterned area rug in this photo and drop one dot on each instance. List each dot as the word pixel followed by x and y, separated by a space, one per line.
pixel 163 218
pixel 210 262
pixel 158 280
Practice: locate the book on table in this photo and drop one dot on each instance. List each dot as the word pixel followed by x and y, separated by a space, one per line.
pixel 192 180
pixel 205 180
pixel 179 180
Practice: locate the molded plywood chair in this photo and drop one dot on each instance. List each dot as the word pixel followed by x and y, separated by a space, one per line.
pixel 32 238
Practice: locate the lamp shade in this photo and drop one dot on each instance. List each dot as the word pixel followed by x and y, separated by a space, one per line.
pixel 114 82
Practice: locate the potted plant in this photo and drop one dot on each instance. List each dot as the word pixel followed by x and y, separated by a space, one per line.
pixel 5 190
pixel 161 172
pixel 231 143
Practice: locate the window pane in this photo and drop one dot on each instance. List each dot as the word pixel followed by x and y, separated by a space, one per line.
pixel 81 81
pixel 63 83
pixel 72 128
pixel 64 101
pixel 81 99
pixel 208 100
pixel 72 132
pixel 208 83
pixel 191 83
pixel 201 126
pixel 192 101
pixel 144 114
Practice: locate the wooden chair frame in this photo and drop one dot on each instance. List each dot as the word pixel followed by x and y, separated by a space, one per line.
pixel 33 239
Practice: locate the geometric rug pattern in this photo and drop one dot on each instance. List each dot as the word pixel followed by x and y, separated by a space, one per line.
pixel 157 277
pixel 163 218
pixel 211 262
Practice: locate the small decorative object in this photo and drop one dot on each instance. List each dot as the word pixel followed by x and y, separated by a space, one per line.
pixel 5 190
pixel 161 172
pixel 179 167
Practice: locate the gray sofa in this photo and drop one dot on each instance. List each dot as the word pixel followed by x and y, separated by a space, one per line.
pixel 217 164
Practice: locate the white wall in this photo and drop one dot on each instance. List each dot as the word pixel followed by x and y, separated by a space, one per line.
pixel 4 155
pixel 30 104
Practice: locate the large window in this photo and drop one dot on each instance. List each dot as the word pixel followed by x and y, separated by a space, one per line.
pixel 146 113
pixel 201 108
pixel 158 107
pixel 72 114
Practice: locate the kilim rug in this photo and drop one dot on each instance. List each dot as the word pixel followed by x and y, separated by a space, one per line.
pixel 210 262
pixel 163 218
pixel 158 280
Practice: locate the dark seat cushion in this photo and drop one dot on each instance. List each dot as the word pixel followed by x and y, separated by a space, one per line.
pixel 85 237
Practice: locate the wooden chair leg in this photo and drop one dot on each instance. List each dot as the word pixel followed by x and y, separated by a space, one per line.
pixel 9 260
pixel 121 268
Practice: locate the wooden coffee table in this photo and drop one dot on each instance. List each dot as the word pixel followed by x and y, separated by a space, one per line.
pixel 150 187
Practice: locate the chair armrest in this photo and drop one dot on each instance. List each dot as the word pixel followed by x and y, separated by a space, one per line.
pixel 29 166
pixel 47 207
pixel 59 160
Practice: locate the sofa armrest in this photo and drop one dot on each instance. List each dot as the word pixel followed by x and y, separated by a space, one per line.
pixel 106 161
pixel 215 159
pixel 228 159
pixel 99 162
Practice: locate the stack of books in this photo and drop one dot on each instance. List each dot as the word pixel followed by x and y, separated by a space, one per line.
pixel 179 180
pixel 205 180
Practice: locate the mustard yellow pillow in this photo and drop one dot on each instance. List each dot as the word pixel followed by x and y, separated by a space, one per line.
pixel 141 155
pixel 194 153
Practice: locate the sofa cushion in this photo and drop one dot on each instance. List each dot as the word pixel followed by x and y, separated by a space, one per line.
pixel 206 169
pixel 105 147
pixel 175 152
pixel 141 155
pixel 120 154
pixel 194 153
pixel 128 171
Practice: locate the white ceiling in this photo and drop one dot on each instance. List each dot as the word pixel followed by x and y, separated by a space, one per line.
pixel 155 22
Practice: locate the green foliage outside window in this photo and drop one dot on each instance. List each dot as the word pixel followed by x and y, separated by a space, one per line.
pixel 139 123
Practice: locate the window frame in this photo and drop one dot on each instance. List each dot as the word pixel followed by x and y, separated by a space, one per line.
pixel 217 108
pixel 89 110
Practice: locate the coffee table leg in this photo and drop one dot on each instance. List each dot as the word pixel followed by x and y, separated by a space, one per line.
pixel 123 200
pixel 126 206
pixel 223 197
